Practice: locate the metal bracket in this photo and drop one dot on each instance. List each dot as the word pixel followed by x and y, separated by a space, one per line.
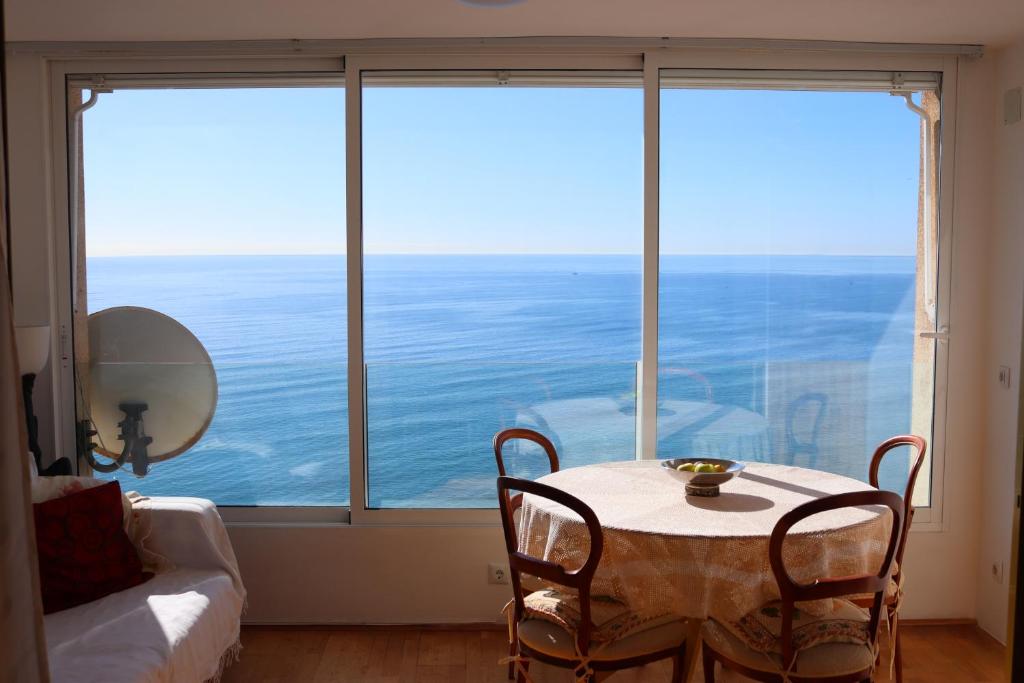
pixel 898 81
pixel 942 334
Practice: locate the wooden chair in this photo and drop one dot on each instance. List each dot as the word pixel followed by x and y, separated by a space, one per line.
pixel 831 662
pixel 894 592
pixel 542 640
pixel 506 435
pixel 516 501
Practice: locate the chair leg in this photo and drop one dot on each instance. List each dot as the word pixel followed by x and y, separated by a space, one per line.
pixel 708 659
pixel 512 665
pixel 526 667
pixel 897 657
pixel 678 663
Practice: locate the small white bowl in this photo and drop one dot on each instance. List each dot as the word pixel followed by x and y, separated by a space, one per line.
pixel 732 468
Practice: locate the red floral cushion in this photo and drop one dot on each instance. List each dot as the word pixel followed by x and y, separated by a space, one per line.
pixel 84 552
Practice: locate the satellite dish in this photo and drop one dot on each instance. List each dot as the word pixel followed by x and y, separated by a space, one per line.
pixel 152 387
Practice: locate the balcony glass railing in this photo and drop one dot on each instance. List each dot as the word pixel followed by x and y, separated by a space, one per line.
pixel 279 436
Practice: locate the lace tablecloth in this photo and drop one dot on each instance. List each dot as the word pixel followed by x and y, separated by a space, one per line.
pixel 702 556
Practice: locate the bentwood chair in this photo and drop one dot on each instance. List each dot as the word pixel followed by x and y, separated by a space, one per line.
pixel 893 595
pixel 841 647
pixel 516 501
pixel 506 435
pixel 574 629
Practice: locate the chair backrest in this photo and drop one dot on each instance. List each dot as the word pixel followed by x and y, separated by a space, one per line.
pixel 813 401
pixel 792 592
pixel 703 381
pixel 528 434
pixel 520 563
pixel 921 446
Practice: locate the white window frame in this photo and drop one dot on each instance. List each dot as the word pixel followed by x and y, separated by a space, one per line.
pixel 276 60
pixel 356 66
pixel 160 75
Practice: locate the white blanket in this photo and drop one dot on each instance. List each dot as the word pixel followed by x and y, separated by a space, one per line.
pixel 180 626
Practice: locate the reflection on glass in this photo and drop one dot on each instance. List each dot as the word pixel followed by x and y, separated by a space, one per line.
pixel 790 284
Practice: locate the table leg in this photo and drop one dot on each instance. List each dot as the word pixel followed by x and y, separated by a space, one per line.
pixel 692 647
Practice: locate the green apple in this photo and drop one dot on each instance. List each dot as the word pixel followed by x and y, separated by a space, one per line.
pixel 686 467
pixel 705 468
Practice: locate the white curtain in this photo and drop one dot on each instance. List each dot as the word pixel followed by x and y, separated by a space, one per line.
pixel 22 642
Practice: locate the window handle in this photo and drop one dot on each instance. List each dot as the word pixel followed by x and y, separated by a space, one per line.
pixel 942 334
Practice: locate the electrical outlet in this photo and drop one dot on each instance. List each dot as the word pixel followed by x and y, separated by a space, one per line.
pixel 497 573
pixel 1004 376
pixel 997 571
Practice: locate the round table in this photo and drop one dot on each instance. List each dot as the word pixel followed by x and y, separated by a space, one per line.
pixel 702 557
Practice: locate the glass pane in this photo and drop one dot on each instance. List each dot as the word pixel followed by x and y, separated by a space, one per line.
pixel 502 230
pixel 795 269
pixel 224 209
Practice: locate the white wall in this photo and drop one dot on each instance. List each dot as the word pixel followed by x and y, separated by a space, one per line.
pixel 437 574
pixel 1005 269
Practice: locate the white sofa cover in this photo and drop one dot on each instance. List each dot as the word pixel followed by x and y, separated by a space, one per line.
pixel 181 626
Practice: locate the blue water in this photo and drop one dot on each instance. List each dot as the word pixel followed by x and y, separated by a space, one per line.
pixel 458 347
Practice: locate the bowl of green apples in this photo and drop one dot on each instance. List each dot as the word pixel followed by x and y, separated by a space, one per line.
pixel 702 476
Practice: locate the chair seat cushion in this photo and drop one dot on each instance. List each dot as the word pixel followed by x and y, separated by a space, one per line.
pixel 553 640
pixel 612 619
pixel 760 628
pixel 820 661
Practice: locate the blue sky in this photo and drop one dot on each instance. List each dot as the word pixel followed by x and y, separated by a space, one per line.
pixel 499 170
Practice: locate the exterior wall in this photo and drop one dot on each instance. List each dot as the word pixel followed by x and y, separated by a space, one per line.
pixel 422 574
pixel 1005 270
pixel 941 566
pixel 925 283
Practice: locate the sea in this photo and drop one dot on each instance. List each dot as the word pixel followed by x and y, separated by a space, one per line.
pixel 801 360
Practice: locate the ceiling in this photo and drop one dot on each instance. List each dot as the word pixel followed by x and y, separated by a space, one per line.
pixel 988 22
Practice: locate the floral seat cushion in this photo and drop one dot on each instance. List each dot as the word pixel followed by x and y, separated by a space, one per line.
pixel 612 619
pixel 761 629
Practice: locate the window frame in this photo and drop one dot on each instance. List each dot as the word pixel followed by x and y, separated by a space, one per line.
pixel 161 75
pixel 356 65
pixel 349 63
pixel 931 518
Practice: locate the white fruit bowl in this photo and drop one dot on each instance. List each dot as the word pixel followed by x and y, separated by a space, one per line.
pixel 700 480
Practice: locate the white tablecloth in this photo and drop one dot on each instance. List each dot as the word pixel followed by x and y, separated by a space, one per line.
pixel 702 556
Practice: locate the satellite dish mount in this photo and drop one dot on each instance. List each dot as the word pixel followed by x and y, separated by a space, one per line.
pixel 134 437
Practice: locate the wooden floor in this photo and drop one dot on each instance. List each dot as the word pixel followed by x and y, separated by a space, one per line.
pixel 934 654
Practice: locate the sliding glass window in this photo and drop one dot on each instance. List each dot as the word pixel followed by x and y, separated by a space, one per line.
pixel 797 268
pixel 796 259
pixel 502 226
pixel 224 208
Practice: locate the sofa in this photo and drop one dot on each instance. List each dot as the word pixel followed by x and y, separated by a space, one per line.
pixel 181 625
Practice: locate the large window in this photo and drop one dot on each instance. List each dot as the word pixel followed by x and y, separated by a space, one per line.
pixel 502 232
pixel 224 209
pixel 788 305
